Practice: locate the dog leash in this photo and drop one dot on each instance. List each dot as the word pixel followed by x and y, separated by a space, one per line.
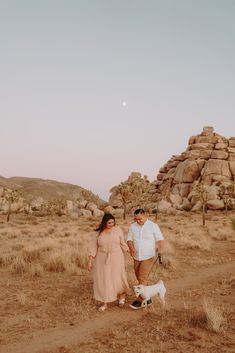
pixel 157 260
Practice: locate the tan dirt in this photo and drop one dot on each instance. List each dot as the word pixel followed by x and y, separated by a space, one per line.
pixel 55 313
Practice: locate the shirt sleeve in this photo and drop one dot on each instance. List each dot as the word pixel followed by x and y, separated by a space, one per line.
pixel 157 233
pixel 130 234
pixel 93 245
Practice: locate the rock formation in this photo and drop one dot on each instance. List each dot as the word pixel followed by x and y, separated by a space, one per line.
pixel 47 197
pixel 209 159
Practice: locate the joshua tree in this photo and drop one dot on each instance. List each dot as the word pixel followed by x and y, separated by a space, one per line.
pixel 134 191
pixel 226 193
pixel 124 189
pixel 11 196
pixel 56 207
pixel 201 191
pixel 155 210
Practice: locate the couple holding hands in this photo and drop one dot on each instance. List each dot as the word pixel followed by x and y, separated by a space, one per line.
pixel 106 257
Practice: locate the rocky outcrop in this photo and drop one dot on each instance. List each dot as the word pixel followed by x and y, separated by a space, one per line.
pixel 209 159
pixel 41 207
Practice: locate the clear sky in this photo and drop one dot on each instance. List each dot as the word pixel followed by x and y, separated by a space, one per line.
pixel 68 66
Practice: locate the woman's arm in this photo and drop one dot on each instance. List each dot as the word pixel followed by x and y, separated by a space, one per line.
pixel 92 251
pixel 90 263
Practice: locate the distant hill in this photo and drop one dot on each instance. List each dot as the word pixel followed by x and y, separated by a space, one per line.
pixel 32 188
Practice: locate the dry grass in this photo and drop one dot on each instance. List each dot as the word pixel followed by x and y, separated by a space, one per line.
pixel 6 258
pixel 195 242
pixel 52 288
pixel 214 316
pixel 59 245
pixel 18 265
pixel 209 316
pixel 36 253
pixel 22 298
pixel 35 271
pixel 233 223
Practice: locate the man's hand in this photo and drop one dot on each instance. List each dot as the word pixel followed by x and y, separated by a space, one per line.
pixel 132 252
pixel 131 248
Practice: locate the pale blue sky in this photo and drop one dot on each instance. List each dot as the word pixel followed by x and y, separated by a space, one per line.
pixel 67 66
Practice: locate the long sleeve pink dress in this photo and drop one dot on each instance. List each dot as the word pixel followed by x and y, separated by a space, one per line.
pixel 109 268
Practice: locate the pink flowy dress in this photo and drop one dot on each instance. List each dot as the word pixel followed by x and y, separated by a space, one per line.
pixel 109 273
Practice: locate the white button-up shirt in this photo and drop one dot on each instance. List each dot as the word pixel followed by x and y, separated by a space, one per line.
pixel 144 238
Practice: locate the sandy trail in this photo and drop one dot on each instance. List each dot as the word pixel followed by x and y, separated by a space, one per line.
pixel 73 335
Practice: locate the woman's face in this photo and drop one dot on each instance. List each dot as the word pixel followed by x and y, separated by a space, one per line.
pixel 110 224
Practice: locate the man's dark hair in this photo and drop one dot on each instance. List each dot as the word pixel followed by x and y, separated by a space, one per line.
pixel 139 211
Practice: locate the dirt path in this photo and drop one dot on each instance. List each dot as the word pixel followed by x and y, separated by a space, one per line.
pixel 71 335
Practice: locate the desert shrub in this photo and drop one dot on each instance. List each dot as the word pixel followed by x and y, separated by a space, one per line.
pixel 81 259
pixel 22 298
pixel 198 318
pixel 56 263
pixel 17 247
pixel 25 231
pixel 222 235
pixel 34 223
pixel 51 230
pixel 12 236
pixel 214 316
pixel 6 259
pixel 231 282
pixel 210 316
pixel 203 244
pixel 36 271
pixel 31 254
pixel 47 246
pixel 19 266
pixel 233 223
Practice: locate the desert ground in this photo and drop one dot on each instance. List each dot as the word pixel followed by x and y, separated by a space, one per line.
pixel 46 290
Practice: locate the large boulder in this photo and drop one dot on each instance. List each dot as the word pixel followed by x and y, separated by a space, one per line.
pixel 216 167
pixel 37 203
pixel 163 206
pixel 215 204
pixel 187 172
pixel 98 213
pixel 232 168
pixel 84 213
pixel 70 205
pixel 91 206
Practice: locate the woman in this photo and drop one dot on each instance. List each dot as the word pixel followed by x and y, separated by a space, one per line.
pixel 107 261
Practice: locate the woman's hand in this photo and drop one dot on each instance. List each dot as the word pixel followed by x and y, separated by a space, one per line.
pixel 90 263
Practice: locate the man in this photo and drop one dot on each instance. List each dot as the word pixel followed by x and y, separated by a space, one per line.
pixel 142 238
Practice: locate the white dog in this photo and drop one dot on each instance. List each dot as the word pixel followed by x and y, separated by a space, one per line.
pixel 146 292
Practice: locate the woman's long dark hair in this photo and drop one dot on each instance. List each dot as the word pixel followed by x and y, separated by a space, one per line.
pixel 105 219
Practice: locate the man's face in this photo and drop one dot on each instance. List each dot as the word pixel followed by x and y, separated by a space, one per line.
pixel 140 219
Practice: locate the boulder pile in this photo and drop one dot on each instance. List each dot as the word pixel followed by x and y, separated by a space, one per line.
pixel 12 202
pixel 209 160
